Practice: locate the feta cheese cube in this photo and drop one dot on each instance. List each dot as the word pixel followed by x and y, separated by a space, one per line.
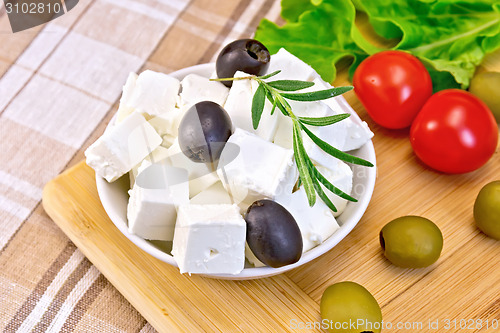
pixel 124 109
pixel 209 239
pixel 201 175
pixel 239 107
pixel 252 168
pixel 292 68
pixel 154 93
pixel 316 223
pixel 167 125
pixel 334 134
pixel 196 88
pixel 217 194
pixel 157 155
pixel 358 132
pixel 340 175
pixel 151 210
pixel 122 147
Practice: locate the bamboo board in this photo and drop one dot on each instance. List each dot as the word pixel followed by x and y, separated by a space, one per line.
pixel 462 288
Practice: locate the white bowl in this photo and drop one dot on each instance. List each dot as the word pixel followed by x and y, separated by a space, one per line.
pixel 114 198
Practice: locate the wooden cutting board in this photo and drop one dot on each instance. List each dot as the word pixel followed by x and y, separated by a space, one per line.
pixel 461 292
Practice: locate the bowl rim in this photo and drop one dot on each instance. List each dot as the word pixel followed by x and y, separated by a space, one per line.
pixel 104 191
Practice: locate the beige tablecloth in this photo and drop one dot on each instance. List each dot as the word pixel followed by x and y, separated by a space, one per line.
pixel 59 86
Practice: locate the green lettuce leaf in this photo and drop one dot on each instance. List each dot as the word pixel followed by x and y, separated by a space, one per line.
pixel 451 37
pixel 292 9
pixel 321 37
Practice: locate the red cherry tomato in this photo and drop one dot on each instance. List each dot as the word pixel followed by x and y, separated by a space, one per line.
pixel 455 132
pixel 393 86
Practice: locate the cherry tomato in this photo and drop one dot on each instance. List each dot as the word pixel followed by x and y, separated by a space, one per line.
pixel 393 86
pixel 455 132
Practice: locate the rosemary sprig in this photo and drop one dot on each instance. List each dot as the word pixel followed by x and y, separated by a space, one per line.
pixel 277 92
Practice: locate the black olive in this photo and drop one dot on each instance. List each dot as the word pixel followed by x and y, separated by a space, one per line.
pixel 273 234
pixel 203 132
pixel 246 55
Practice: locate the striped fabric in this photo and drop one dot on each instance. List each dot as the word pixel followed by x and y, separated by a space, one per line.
pixel 59 86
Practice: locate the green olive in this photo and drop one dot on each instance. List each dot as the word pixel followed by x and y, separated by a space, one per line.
pixel 411 241
pixel 349 308
pixel 485 86
pixel 487 209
